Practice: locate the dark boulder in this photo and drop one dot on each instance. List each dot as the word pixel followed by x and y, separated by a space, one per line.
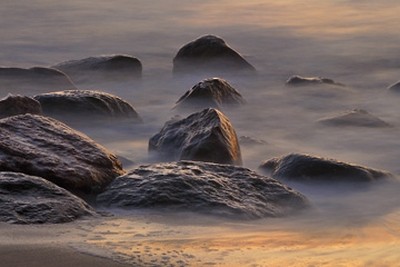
pixel 306 168
pixel 29 199
pixel 47 148
pixel 17 104
pixel 81 104
pixel 356 117
pixel 213 93
pixel 209 53
pixel 310 81
pixel 395 87
pixel 205 136
pixel 211 188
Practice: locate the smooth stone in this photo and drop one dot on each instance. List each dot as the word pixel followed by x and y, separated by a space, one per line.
pixel 17 104
pixel 297 80
pixel 356 117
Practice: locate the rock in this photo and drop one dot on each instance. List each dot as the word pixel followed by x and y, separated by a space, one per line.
pixel 214 93
pixel 310 81
pixel 85 104
pixel 211 188
pixel 205 136
pixel 356 117
pixel 395 87
pixel 17 104
pixel 209 53
pixel 47 148
pixel 306 168
pixel 34 80
pixel 249 141
pixel 110 67
pixel 29 199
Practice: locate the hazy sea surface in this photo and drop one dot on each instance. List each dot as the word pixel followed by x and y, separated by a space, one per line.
pixel 353 42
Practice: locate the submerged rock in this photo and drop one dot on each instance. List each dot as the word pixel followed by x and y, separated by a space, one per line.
pixel 17 104
pixel 110 67
pixel 29 199
pixel 34 80
pixel 47 148
pixel 356 117
pixel 395 87
pixel 309 81
pixel 209 53
pixel 306 168
pixel 216 189
pixel 205 136
pixel 81 104
pixel 213 93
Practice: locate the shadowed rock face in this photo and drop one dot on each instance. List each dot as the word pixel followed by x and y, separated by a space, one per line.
pixel 356 117
pixel 35 80
pixel 112 67
pixel 47 148
pixel 17 104
pixel 85 104
pixel 305 168
pixel 395 87
pixel 214 93
pixel 204 136
pixel 29 199
pixel 216 189
pixel 209 53
pixel 310 81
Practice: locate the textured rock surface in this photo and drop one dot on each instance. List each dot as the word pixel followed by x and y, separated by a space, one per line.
pixel 217 189
pixel 356 117
pixel 213 93
pixel 47 148
pixel 299 167
pixel 29 199
pixel 209 53
pixel 17 104
pixel 205 136
pixel 85 104
pixel 307 81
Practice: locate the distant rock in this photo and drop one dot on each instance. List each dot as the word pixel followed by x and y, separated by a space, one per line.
pixel 209 53
pixel 395 87
pixel 28 199
pixel 309 81
pixel 217 189
pixel 34 80
pixel 205 136
pixel 356 117
pixel 213 93
pixel 100 68
pixel 250 141
pixel 17 104
pixel 306 168
pixel 81 104
pixel 47 148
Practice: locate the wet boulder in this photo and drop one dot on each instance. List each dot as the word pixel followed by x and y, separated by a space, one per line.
pixel 85 104
pixel 306 168
pixel 204 136
pixel 34 80
pixel 102 68
pixel 209 53
pixel 214 93
pixel 17 104
pixel 357 118
pixel 297 80
pixel 28 199
pixel 47 148
pixel 216 189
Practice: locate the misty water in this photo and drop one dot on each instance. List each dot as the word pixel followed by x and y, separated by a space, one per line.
pixel 352 42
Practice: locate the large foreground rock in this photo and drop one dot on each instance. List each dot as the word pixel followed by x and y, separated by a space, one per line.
pixel 47 148
pixel 356 117
pixel 205 136
pixel 34 80
pixel 209 53
pixel 81 104
pixel 217 189
pixel 306 168
pixel 297 80
pixel 213 93
pixel 30 199
pixel 17 104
